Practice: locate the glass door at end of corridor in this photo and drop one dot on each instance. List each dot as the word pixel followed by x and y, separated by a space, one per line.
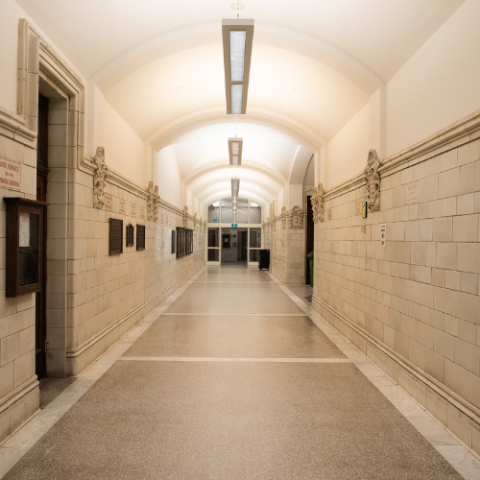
pixel 254 244
pixel 213 246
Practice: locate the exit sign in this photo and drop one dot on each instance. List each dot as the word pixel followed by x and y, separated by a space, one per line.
pixel 234 225
pixel 216 221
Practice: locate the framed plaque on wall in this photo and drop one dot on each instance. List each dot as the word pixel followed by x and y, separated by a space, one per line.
pixel 140 237
pixel 115 243
pixel 130 230
pixel 25 242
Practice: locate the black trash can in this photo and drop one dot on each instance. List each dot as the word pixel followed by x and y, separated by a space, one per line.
pixel 264 260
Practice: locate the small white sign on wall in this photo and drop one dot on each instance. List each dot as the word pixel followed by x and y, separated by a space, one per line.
pixel 24 233
pixel 383 234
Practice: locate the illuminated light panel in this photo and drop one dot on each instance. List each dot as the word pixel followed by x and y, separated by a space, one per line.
pixel 237 56
pixel 235 148
pixel 235 182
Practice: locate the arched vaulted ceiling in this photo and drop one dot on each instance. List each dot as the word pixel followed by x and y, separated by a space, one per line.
pixel 314 65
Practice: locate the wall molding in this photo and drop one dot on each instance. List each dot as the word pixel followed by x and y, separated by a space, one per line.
pixel 467 408
pixel 463 131
pixel 35 57
pixel 18 393
pixel 439 142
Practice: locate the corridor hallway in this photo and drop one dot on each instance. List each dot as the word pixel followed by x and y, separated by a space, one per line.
pixel 231 379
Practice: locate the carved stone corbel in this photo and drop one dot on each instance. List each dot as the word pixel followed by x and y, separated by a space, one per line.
pixel 185 217
pixel 99 178
pixel 153 201
pixel 296 218
pixel 318 204
pixel 372 187
pixel 284 216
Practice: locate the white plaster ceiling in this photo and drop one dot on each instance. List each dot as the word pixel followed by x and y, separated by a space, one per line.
pixel 206 146
pixel 315 63
pixel 381 34
pixel 283 82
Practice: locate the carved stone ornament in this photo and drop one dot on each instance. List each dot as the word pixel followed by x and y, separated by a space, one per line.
pixel 372 188
pixel 318 204
pixel 99 178
pixel 284 216
pixel 153 201
pixel 185 217
pixel 296 218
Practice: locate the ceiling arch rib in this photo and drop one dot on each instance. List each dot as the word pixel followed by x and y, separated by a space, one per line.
pixel 289 89
pixel 261 183
pixel 299 166
pixel 272 173
pixel 209 33
pixel 169 134
pixel 247 190
pixel 226 194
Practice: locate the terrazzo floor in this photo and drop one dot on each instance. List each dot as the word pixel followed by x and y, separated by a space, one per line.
pixel 230 380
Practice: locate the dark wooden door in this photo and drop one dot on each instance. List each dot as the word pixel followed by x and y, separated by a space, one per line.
pixel 41 297
pixel 244 245
pixel 310 237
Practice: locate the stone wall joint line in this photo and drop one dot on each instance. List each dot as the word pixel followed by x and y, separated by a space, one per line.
pixel 468 409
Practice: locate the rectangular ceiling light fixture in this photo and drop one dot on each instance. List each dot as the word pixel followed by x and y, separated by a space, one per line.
pixel 237 55
pixel 235 187
pixel 235 147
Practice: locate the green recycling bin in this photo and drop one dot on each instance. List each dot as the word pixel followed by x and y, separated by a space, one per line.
pixel 310 259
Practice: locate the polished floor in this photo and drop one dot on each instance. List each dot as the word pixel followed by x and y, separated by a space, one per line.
pixel 232 381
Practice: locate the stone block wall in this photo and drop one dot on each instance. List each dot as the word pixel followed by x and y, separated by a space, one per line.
pixel 18 382
pixel 92 298
pixel 287 249
pixel 108 295
pixel 413 306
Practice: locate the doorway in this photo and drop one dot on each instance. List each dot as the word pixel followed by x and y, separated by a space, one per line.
pixel 310 237
pixel 41 297
pixel 234 245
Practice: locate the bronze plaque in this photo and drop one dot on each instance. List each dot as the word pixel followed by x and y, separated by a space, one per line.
pixel 129 234
pixel 115 246
pixel 140 237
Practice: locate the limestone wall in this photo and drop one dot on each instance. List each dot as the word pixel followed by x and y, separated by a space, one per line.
pixel 107 295
pixel 92 298
pixel 18 382
pixel 287 249
pixel 413 306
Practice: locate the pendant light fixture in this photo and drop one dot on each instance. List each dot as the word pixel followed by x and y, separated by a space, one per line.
pixel 235 183
pixel 235 147
pixel 237 55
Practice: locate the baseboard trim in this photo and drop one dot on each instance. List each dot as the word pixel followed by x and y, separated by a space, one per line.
pixel 459 403
pixel 76 352
pixel 18 393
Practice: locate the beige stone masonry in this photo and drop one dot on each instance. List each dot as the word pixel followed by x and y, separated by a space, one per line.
pixel 413 306
pixel 287 246
pixel 92 298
